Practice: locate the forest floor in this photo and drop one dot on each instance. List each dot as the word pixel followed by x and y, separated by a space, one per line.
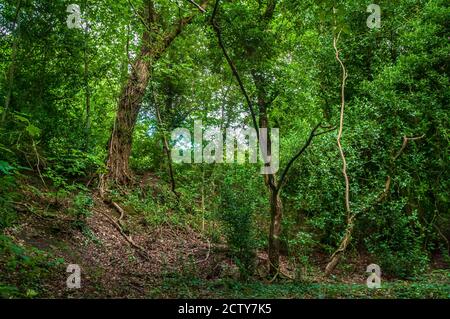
pixel 167 261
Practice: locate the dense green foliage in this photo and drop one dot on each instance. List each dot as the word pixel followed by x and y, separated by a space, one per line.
pixel 59 93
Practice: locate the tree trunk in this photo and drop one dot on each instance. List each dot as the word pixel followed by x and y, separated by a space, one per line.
pixel 166 146
pixel 350 216
pixel 276 206
pixel 276 212
pixel 168 151
pixel 87 88
pixel 153 46
pixel 128 109
pixel 129 105
pixel 334 260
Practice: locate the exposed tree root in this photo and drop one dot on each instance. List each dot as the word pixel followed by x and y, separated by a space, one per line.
pixel 335 257
pixel 118 226
pixel 207 255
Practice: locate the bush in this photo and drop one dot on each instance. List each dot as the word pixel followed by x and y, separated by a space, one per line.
pixel 397 243
pixel 81 209
pixel 7 194
pixel 236 210
pixel 25 267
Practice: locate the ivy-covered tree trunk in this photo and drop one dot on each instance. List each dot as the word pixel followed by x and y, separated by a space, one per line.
pixel 154 44
pixel 129 105
pixel 128 109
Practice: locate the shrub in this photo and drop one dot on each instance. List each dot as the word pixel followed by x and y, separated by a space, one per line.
pixel 236 210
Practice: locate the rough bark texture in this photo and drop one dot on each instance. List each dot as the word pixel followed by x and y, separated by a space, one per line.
pixel 153 46
pixel 128 109
pixel 129 105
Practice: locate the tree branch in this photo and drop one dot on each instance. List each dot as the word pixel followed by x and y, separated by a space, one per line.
pixel 216 28
pixel 197 6
pixel 147 27
pixel 170 37
pixel 300 152
pixel 405 143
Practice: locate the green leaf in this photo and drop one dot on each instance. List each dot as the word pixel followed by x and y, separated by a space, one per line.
pixel 31 293
pixel 21 118
pixel 33 130
pixel 5 167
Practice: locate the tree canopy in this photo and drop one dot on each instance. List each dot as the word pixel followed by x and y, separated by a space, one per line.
pixel 353 104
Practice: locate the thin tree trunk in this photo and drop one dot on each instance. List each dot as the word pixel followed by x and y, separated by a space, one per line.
pixel 203 198
pixel 276 206
pixel 168 151
pixel 274 187
pixel 88 96
pixel 276 214
pixel 334 260
pixel 166 147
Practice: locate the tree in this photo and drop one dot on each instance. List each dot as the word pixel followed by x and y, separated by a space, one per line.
pixel 154 42
pixel 265 96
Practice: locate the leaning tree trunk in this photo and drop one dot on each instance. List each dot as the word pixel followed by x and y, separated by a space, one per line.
pixel 153 46
pixel 336 256
pixel 128 109
pixel 130 99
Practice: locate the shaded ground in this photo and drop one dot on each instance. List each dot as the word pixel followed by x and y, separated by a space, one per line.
pixel 111 267
pixel 173 262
